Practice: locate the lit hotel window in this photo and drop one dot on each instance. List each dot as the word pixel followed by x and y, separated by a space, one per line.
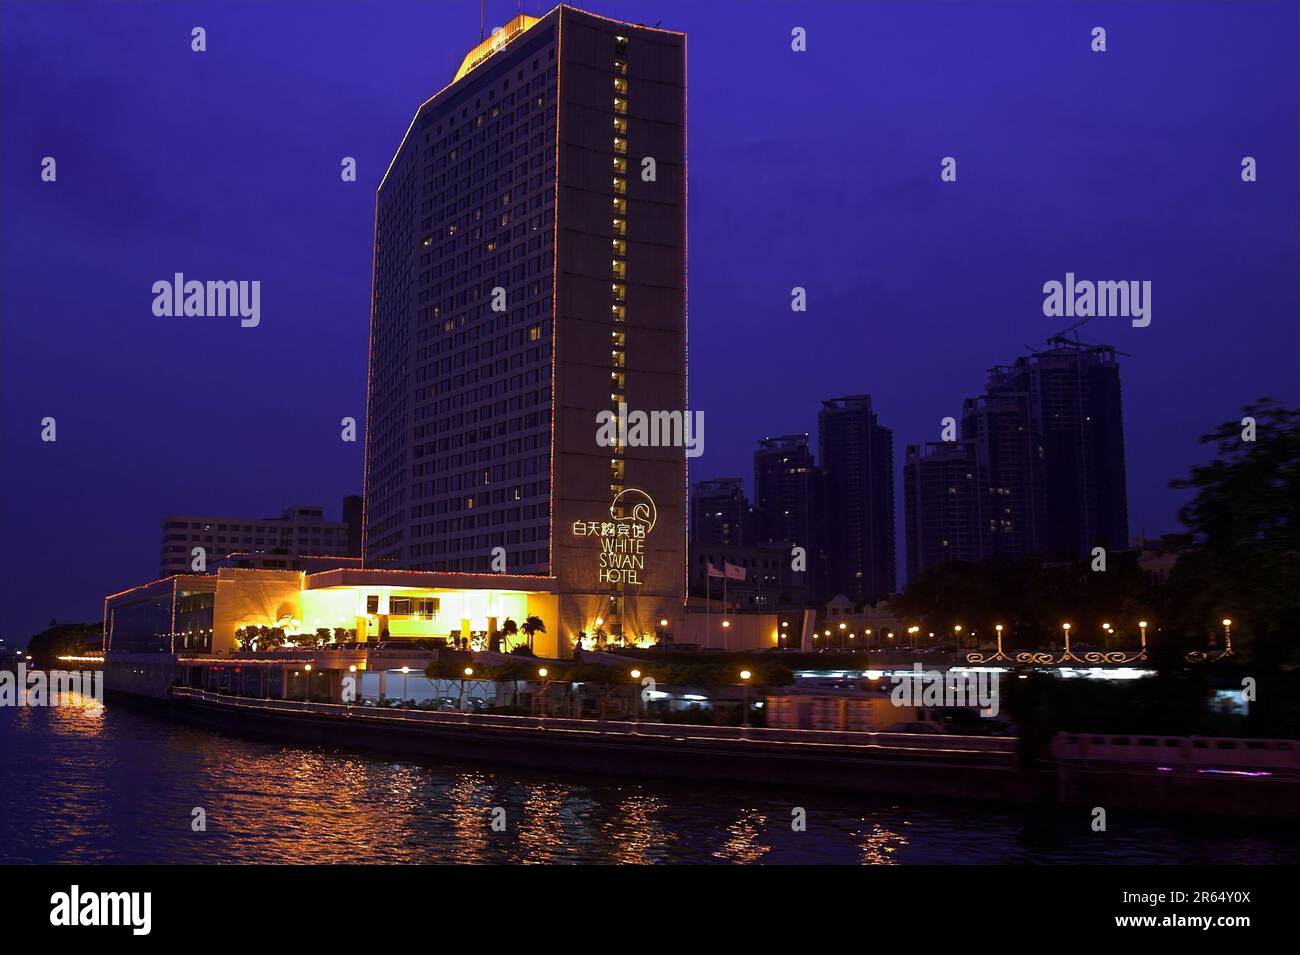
pixel 619 313
pixel 534 333
pixel 620 227
pixel 620 145
pixel 620 247
pixel 620 126
pixel 620 85
pixel 620 292
pixel 620 104
pixel 620 66
pixel 620 165
pixel 620 45
pixel 620 269
pixel 620 206
pixel 620 186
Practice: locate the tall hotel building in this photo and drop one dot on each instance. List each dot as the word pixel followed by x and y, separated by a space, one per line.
pixel 530 272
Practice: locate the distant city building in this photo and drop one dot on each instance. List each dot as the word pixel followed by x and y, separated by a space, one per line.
pixel 352 512
pixel 1076 417
pixel 788 502
pixel 1158 556
pixel 1039 468
pixel 944 503
pixel 298 530
pixel 769 584
pixel 720 513
pixel 998 424
pixel 857 458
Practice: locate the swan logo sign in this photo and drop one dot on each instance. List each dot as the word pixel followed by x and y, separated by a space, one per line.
pixel 622 538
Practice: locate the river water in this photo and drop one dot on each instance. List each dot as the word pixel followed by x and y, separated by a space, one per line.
pixel 117 786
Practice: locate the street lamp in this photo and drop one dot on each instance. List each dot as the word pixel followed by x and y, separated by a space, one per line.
pixel 956 631
pixel 998 628
pixel 1142 628
pixel 744 677
pixel 405 671
pixel 1066 628
pixel 636 702
pixel 541 697
pixel 1227 636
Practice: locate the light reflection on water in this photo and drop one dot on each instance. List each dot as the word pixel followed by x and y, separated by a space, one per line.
pixel 79 785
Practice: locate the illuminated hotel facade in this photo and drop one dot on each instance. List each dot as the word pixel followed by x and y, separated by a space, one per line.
pixel 529 273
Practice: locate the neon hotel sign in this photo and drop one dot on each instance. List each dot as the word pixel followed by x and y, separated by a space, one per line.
pixel 622 538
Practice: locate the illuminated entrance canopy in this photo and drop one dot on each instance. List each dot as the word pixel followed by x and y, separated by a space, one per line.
pixel 622 537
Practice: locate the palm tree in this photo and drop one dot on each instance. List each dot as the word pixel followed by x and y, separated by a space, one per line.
pixel 508 629
pixel 531 627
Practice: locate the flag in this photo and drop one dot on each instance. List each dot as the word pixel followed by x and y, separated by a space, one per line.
pixel 713 571
pixel 732 571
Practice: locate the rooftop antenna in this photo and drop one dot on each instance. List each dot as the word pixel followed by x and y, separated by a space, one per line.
pixel 482 14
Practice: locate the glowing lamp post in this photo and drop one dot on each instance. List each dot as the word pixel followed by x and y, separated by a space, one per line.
pixel 1142 629
pixel 1065 629
pixel 1227 636
pixel 636 702
pixel 542 673
pixel 744 679
pixel 998 628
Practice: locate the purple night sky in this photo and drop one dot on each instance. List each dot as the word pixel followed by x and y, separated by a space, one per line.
pixel 818 169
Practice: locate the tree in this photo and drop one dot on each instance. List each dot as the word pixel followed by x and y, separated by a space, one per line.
pixel 1243 513
pixel 507 630
pixel 531 627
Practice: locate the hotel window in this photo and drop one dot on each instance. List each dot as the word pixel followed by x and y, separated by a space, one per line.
pixel 616 470
pixel 620 145
pixel 616 380
pixel 620 66
pixel 399 606
pixel 620 105
pixel 620 126
pixel 534 333
pixel 617 338
pixel 620 227
pixel 620 86
pixel 620 206
pixel 620 165
pixel 620 269
pixel 620 247
pixel 617 358
pixel 620 45
pixel 620 186
pixel 619 313
pixel 620 292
